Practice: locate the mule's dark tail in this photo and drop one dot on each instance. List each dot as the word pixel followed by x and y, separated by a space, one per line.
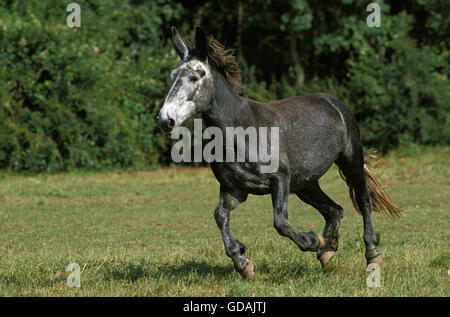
pixel 379 198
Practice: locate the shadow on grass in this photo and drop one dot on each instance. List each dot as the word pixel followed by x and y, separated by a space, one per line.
pixel 281 271
pixel 122 270
pixel 277 272
pixel 202 269
pixel 135 270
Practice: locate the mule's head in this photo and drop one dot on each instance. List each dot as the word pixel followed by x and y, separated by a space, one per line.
pixel 192 84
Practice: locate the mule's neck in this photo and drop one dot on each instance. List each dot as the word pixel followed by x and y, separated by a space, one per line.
pixel 227 107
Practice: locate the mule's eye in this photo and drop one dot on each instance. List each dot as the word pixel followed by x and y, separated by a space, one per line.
pixel 193 79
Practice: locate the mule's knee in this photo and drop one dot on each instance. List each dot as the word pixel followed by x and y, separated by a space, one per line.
pixel 229 202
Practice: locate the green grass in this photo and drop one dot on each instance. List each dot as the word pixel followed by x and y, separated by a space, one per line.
pixel 154 234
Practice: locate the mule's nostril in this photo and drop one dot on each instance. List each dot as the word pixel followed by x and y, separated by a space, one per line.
pixel 166 124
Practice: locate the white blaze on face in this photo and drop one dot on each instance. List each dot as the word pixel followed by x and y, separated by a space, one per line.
pixel 191 92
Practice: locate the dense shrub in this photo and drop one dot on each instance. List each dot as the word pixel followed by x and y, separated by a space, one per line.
pixel 81 98
pixel 87 97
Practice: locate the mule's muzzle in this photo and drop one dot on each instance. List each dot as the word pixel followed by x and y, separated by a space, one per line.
pixel 166 124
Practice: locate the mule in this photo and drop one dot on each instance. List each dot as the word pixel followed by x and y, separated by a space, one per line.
pixel 315 131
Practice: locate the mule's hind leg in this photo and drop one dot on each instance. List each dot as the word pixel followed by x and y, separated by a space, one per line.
pixel 331 212
pixel 354 173
pixel 306 241
pixel 233 248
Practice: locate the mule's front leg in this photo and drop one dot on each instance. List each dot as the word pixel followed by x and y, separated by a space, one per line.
pixel 306 241
pixel 233 248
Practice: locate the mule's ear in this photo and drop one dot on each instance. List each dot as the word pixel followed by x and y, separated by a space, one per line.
pixel 179 44
pixel 201 43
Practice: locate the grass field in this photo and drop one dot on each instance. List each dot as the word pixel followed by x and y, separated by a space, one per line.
pixel 153 234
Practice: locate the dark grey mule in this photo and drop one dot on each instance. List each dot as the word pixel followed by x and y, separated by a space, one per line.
pixel 315 131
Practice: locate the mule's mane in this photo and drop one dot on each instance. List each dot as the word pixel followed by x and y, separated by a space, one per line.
pixel 225 63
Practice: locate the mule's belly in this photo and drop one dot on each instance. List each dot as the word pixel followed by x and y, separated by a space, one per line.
pixel 302 177
pixel 311 158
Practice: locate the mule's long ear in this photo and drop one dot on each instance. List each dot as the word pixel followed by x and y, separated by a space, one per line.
pixel 179 44
pixel 201 43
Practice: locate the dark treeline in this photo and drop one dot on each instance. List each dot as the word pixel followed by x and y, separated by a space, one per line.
pixel 87 97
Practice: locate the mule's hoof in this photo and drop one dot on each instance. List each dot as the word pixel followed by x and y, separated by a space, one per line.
pixel 326 257
pixel 322 241
pixel 248 273
pixel 376 260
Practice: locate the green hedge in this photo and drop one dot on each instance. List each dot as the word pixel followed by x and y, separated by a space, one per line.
pixel 82 98
pixel 87 97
